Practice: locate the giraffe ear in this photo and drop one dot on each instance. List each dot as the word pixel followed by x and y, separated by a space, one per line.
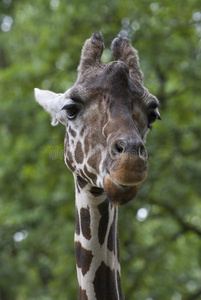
pixel 51 102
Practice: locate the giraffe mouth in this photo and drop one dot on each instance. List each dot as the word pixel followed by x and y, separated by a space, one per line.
pixel 123 178
pixel 119 194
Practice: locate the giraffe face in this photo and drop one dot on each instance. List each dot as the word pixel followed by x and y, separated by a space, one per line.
pixel 106 131
pixel 107 114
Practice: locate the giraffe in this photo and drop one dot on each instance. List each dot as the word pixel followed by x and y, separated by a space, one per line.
pixel 107 114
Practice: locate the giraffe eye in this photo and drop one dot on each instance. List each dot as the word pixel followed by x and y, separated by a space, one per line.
pixel 72 110
pixel 152 118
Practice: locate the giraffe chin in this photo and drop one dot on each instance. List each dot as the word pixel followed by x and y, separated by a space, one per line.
pixel 119 194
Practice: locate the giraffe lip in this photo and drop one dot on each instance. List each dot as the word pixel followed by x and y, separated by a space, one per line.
pixel 123 185
pixel 128 180
pixel 120 185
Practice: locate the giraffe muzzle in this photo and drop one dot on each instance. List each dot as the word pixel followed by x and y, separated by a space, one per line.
pixel 127 168
pixel 128 161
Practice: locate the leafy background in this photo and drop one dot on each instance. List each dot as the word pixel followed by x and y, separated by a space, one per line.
pixel 160 232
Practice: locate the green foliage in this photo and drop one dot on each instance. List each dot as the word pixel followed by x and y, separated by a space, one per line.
pixel 160 233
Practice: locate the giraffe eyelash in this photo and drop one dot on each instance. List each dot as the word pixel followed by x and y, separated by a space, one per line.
pixel 153 116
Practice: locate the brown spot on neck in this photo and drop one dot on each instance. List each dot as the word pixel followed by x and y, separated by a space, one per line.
pixel 96 191
pixel 83 258
pixel 119 285
pixel 81 182
pixel 103 223
pixel 112 234
pixel 83 176
pixel 85 221
pixel 90 175
pixel 82 294
pixel 105 284
pixel 77 227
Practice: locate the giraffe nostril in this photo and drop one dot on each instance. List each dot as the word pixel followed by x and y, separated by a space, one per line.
pixel 119 147
pixel 134 147
pixel 143 152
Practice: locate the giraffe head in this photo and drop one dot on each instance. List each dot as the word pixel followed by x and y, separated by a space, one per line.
pixel 107 114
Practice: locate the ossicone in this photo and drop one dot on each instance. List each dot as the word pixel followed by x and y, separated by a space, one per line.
pixel 91 53
pixel 123 50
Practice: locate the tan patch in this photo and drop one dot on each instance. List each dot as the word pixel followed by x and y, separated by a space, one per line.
pixel 72 132
pixel 90 175
pixel 129 169
pixel 79 155
pixel 82 131
pixel 94 161
pixel 86 145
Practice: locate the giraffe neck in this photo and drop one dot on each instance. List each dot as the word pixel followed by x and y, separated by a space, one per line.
pixel 96 246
